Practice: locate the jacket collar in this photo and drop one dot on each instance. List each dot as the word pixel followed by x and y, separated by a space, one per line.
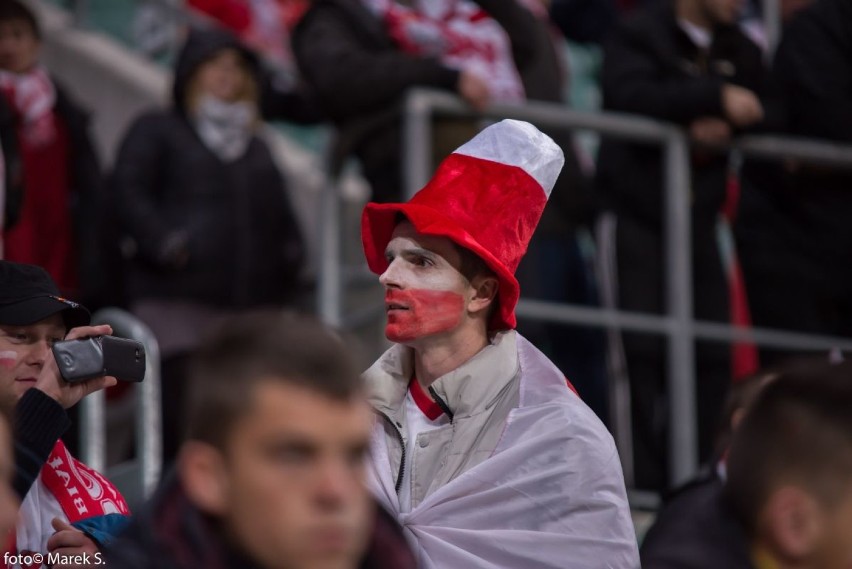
pixel 471 388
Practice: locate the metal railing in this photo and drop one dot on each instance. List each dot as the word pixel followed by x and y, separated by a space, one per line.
pixel 678 323
pixel 146 467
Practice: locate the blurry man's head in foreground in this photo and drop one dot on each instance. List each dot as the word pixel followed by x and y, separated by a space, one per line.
pixel 278 434
pixel 790 468
pixel 8 498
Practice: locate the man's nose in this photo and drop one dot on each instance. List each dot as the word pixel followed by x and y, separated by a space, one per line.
pixel 391 278
pixel 38 353
pixel 335 484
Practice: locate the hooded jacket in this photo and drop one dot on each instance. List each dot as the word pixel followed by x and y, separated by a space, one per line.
pixel 240 233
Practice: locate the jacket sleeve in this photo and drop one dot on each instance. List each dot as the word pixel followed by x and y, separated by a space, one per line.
pixel 135 181
pixel 352 78
pixel 634 81
pixel 38 424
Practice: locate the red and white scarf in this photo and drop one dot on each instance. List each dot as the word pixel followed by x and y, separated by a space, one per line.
pixel 32 96
pixel 460 34
pixel 66 489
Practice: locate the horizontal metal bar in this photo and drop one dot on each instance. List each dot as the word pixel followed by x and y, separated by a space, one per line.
pixel 547 114
pixel 803 149
pixel 632 127
pixel 703 330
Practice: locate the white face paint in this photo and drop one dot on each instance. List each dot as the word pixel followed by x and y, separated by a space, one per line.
pixel 8 358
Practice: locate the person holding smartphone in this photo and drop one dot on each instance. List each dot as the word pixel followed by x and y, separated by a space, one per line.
pixel 68 510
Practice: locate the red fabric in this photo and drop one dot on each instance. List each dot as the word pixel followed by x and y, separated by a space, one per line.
pixel 744 355
pixel 428 407
pixel 233 14
pixel 489 208
pixel 82 492
pixel 44 235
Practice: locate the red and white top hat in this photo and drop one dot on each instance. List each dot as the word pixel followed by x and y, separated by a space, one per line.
pixel 487 197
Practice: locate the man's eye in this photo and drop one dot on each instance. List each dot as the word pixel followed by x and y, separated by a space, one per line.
pixel 422 261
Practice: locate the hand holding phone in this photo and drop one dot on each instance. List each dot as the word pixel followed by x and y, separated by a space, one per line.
pixel 95 356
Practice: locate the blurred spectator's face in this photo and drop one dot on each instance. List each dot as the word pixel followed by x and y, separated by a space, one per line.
pixel 19 46
pixel 23 351
pixel 834 550
pixel 723 11
pixel 805 531
pixel 291 483
pixel 224 76
pixel 8 499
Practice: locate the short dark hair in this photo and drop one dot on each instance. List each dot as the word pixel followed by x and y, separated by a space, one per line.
pixel 799 429
pixel 263 346
pixel 11 10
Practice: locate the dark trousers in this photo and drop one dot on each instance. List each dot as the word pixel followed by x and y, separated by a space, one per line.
pixel 641 286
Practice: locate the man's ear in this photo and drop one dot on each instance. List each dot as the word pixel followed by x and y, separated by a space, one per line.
pixel 202 472
pixel 792 523
pixel 484 293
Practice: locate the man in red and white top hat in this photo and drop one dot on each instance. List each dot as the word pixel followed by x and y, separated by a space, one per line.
pixel 482 450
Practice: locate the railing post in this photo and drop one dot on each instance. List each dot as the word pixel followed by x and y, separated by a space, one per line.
pixel 330 298
pixel 93 427
pixel 772 25
pixel 417 142
pixel 683 440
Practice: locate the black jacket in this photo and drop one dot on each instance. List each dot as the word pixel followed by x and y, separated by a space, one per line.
pixel 244 246
pixel 652 68
pixel 696 530
pixel 170 533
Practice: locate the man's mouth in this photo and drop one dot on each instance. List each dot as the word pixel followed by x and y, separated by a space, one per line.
pixel 26 379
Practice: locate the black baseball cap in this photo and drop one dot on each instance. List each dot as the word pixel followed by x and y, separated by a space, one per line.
pixel 28 295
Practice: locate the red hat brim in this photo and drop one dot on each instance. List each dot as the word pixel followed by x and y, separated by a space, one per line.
pixel 379 220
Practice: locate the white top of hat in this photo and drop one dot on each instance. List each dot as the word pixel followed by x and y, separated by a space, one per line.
pixel 518 143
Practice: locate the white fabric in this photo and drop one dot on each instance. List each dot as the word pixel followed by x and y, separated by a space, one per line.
pixel 551 495
pixel 225 128
pixel 518 143
pixel 416 422
pixel 33 96
pixel 34 519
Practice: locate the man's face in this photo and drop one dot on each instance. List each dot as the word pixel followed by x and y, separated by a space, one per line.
pixel 723 11
pixel 223 76
pixel 295 479
pixel 426 295
pixel 834 546
pixel 23 352
pixel 19 46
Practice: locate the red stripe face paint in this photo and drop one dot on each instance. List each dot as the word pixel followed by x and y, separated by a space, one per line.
pixel 415 313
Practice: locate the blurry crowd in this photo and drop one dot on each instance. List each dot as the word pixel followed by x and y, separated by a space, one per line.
pixel 192 226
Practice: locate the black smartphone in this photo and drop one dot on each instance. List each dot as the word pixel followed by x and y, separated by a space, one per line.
pixel 86 358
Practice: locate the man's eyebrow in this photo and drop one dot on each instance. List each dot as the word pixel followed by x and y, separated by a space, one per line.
pixel 419 251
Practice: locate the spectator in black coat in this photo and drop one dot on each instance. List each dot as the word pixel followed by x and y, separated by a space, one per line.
pixel 209 227
pixel 683 61
pixel 793 231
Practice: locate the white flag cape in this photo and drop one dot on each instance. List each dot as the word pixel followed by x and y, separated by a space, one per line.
pixel 551 496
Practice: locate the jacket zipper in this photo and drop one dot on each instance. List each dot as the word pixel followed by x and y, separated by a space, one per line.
pixel 402 446
pixel 441 403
